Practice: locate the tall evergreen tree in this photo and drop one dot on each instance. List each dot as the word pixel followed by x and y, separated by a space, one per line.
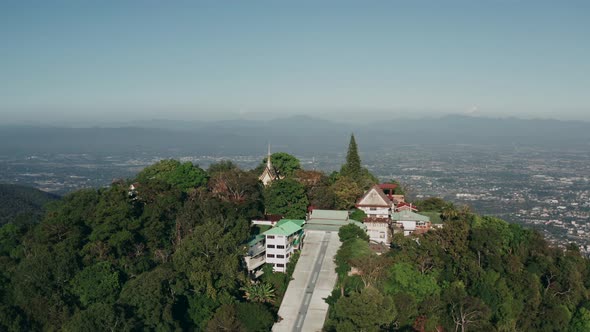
pixel 352 167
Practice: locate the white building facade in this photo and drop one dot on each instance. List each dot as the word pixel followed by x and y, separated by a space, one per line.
pixel 378 230
pixel 411 222
pixel 278 252
pixel 281 242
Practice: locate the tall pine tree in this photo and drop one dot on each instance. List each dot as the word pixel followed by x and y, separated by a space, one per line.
pixel 352 168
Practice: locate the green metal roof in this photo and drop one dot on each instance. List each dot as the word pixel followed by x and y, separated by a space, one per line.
pixel 408 216
pixel 286 229
pixel 255 239
pixel 329 214
pixel 298 222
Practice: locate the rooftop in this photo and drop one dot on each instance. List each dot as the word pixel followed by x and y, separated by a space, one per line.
pixel 255 239
pixel 285 229
pixel 329 214
pixel 298 222
pixel 408 216
pixel 388 186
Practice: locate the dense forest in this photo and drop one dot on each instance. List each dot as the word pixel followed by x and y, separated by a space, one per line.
pixel 163 251
pixel 164 256
pixel 22 204
pixel 474 274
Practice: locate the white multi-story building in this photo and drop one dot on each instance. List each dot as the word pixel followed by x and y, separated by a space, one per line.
pixel 281 242
pixel 275 246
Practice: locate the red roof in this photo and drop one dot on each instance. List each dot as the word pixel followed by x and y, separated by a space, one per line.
pixel 404 204
pixel 388 186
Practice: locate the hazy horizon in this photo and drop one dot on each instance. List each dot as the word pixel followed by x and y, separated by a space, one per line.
pixel 77 63
pixel 361 119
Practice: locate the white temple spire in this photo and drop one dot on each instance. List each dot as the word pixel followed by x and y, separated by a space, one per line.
pixel 268 163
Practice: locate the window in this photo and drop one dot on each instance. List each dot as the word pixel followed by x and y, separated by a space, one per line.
pixel 280 256
pixel 271 246
pixel 288 255
pixel 270 236
pixel 280 246
pixel 280 265
pixel 270 255
pixel 373 209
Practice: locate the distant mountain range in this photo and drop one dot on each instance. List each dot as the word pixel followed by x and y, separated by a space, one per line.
pixel 298 135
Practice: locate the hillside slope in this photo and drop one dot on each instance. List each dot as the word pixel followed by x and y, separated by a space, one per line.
pixel 18 200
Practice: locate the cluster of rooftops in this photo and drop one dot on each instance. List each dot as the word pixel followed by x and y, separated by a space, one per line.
pixel 386 213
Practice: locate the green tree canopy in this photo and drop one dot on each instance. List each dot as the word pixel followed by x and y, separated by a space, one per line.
pixel 352 168
pixel 352 231
pixel 368 310
pixel 347 191
pixel 358 215
pixel 433 204
pixel 581 320
pixel 97 283
pixel 221 167
pixel 181 175
pixel 255 317
pixel 22 203
pixel 151 298
pixel 287 198
pixel 208 256
pixel 225 319
pixel 404 278
pixel 284 163
pixel 101 317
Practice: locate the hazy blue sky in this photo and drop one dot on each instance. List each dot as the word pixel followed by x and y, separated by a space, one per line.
pixel 116 60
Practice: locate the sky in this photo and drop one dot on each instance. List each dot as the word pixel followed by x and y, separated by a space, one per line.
pixel 113 61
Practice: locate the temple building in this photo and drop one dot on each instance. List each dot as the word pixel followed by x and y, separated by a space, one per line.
pixel 269 174
pixel 375 203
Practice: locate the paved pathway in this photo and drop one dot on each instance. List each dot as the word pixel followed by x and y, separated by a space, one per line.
pixel 303 307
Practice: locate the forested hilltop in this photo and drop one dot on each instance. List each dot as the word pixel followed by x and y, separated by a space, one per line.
pixel 474 274
pixel 163 251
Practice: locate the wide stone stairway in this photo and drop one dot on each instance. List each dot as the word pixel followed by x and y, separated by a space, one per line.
pixel 303 307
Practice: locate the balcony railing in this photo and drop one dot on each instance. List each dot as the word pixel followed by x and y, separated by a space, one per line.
pixel 257 249
pixel 255 262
